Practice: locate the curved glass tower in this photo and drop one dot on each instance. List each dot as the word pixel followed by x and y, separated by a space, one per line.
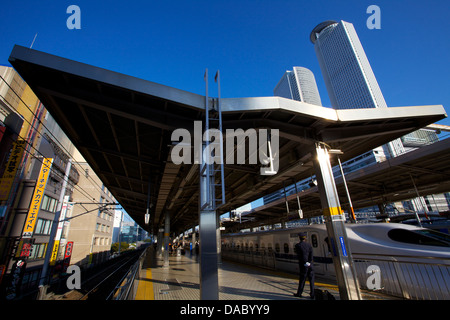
pixel 298 84
pixel 348 76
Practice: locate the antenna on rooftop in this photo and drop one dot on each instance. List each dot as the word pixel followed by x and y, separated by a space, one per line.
pixel 31 47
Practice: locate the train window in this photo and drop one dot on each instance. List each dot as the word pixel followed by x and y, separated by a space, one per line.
pixel 256 246
pixel 251 246
pixel 263 246
pixel 269 246
pixel 286 248
pixel 421 237
pixel 436 235
pixel 277 247
pixel 314 241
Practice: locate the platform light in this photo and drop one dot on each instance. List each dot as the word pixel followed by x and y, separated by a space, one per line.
pixel 147 217
pixel 335 151
pixel 312 183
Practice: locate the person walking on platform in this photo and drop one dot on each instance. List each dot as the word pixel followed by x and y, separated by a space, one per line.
pixel 305 262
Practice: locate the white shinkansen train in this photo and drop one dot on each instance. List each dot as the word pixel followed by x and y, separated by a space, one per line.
pixel 397 259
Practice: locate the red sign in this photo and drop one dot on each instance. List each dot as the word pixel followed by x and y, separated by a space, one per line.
pixel 2 131
pixel 69 247
pixel 2 272
pixel 67 254
pixel 26 249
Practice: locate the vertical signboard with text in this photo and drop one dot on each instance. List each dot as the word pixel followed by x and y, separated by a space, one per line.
pixel 36 200
pixel 58 235
pixel 67 255
pixel 12 166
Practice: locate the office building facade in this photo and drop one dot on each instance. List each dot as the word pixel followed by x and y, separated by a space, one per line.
pixel 91 219
pixel 351 84
pixel 348 76
pixel 298 84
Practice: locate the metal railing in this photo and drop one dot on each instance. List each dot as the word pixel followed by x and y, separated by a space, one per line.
pixel 407 277
pixel 404 276
pixel 127 288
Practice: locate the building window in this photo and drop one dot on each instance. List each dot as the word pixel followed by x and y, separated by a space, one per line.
pixel 43 226
pixel 49 204
pixel 314 241
pixel 38 251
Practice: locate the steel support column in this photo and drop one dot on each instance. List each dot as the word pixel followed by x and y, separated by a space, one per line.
pixel 209 279
pixel 194 240
pixel 159 242
pixel 335 219
pixel 218 240
pixel 166 239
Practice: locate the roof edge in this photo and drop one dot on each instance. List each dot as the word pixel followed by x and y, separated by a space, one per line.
pixel 319 28
pixel 106 76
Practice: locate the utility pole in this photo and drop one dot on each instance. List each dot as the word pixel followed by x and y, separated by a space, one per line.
pixel 48 253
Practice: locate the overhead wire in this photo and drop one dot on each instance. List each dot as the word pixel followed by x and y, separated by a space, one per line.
pixel 48 130
pixel 55 172
pixel 43 124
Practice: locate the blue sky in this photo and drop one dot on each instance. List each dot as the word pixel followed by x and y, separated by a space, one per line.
pixel 252 42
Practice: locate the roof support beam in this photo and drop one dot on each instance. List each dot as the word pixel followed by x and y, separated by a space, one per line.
pixel 100 149
pixel 107 109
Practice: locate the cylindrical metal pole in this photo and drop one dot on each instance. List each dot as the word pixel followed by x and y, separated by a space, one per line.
pixel 194 241
pixel 48 253
pixel 120 231
pixel 209 280
pixel 352 212
pixel 166 239
pixel 418 197
pixel 334 219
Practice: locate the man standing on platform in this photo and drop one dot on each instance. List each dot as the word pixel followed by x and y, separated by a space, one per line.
pixel 305 262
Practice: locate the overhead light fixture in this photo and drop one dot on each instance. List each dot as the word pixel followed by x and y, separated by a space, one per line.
pixel 147 217
pixel 312 183
pixel 335 151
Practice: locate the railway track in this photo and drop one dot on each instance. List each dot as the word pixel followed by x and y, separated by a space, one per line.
pixel 101 285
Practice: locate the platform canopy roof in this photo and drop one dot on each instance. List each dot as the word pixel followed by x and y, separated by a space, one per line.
pixel 424 171
pixel 122 126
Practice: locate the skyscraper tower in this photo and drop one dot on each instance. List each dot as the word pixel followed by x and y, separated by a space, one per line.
pixel 298 84
pixel 350 81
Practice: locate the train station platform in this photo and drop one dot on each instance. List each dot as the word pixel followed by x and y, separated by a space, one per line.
pixel 180 281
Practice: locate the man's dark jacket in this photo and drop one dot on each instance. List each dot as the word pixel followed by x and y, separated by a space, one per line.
pixel 304 252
